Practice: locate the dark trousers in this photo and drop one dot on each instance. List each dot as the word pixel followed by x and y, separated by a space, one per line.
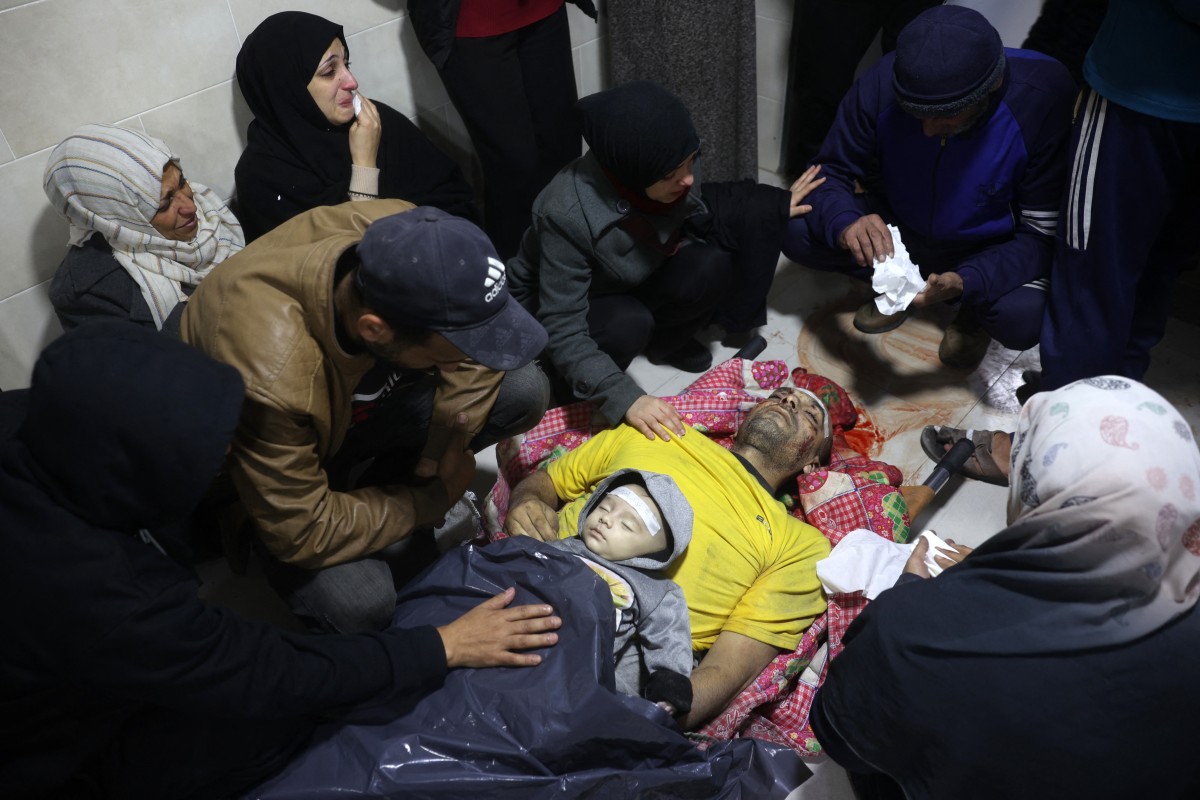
pixel 516 94
pixel 829 38
pixel 1014 319
pixel 1126 228
pixel 167 755
pixel 1064 30
pixel 662 314
pixel 382 449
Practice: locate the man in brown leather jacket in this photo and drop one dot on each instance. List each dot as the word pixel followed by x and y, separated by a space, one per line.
pixel 336 470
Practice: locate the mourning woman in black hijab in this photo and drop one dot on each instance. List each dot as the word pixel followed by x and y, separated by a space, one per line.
pixel 628 254
pixel 309 146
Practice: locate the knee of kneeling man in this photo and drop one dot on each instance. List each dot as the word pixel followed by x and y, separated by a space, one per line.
pixel 364 613
pixel 524 397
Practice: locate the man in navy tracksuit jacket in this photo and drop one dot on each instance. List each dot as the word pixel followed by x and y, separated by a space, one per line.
pixel 962 144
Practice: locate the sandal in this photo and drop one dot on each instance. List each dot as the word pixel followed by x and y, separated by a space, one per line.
pixel 981 466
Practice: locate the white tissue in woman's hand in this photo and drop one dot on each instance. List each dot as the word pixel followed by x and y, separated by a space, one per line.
pixel 937 546
pixel 357 104
pixel 896 279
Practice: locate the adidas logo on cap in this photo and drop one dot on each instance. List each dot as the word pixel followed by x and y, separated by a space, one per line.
pixel 495 280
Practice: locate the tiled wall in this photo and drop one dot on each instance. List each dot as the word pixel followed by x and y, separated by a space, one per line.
pixel 166 67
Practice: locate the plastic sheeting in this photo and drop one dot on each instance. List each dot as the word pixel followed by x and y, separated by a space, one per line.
pixel 556 730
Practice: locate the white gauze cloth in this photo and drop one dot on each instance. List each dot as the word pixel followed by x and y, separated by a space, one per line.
pixel 108 180
pixel 896 279
pixel 866 561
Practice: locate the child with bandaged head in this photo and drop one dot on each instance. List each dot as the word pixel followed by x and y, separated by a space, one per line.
pixel 634 526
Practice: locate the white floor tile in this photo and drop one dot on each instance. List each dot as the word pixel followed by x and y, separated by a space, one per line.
pixel 828 782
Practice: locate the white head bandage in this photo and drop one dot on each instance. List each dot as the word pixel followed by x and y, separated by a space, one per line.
pixel 828 425
pixel 639 505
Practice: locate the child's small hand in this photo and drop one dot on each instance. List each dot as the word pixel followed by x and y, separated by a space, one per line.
pixel 667 707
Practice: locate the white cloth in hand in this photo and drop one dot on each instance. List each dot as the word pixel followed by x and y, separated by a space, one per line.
pixel 865 561
pixel 897 279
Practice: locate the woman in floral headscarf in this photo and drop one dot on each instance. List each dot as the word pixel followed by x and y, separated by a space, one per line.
pixel 1057 659
pixel 142 236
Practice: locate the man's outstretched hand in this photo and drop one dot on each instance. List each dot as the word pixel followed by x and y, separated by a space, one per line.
pixel 532 518
pixel 939 288
pixel 491 634
pixel 868 240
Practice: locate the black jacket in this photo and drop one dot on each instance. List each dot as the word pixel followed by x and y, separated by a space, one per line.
pixel 124 431
pixel 91 284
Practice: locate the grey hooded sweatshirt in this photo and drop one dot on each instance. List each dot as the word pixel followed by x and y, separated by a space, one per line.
pixel 654 633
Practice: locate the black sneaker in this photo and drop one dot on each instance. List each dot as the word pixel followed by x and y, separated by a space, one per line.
pixel 869 319
pixel 692 357
pixel 964 343
pixel 1031 386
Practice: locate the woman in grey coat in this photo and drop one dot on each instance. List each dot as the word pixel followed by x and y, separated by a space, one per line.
pixel 626 254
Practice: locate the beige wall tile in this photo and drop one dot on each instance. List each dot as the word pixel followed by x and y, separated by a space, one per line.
pixel 133 124
pixel 781 10
pixel 583 28
pixel 591 71
pixel 6 153
pixel 390 66
pixel 771 57
pixel 146 54
pixel 33 237
pixel 1011 19
pixel 352 15
pixel 207 130
pixel 27 324
pixel 577 65
pixel 770 132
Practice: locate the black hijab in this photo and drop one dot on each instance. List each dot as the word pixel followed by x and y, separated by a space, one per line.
pixel 296 160
pixel 638 132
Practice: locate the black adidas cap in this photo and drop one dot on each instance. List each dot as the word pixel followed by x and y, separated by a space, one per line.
pixel 428 269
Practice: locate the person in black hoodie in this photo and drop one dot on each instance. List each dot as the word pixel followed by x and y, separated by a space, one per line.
pixel 115 679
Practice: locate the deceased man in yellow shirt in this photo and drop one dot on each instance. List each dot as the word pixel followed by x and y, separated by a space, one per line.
pixel 749 575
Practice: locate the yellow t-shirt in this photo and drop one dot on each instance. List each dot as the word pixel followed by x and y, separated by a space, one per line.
pixel 750 568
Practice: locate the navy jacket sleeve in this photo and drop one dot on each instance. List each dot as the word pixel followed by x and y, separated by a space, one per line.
pixel 167 647
pixel 848 154
pixel 1042 105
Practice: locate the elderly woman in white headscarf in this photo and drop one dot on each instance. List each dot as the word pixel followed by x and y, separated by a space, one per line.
pixel 141 237
pixel 1058 659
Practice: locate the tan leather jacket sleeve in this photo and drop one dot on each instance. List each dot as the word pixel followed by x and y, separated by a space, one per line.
pixel 472 389
pixel 301 520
